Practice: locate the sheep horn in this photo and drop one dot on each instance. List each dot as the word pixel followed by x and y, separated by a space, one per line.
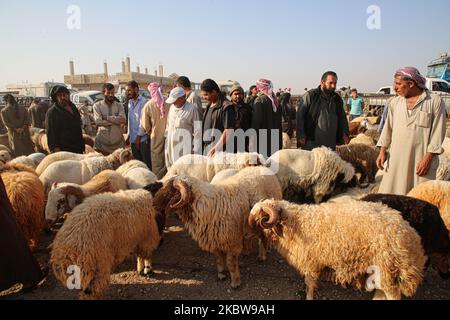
pixel 182 187
pixel 271 218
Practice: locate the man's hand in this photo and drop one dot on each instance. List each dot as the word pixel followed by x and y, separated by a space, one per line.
pixel 424 166
pixel 138 143
pixel 381 159
pixel 301 142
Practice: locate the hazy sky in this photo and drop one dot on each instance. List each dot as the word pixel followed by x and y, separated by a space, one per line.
pixel 291 42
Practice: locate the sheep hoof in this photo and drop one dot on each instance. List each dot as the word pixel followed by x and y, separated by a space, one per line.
pixel 236 285
pixel 146 274
pixel 222 276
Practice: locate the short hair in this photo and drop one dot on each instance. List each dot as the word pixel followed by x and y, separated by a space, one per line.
pixel 329 73
pixel 108 87
pixel 252 87
pixel 354 90
pixel 210 85
pixel 36 100
pixel 184 82
pixel 133 84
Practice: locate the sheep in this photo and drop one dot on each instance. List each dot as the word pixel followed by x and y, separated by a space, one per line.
pixel 60 156
pixel 64 197
pixel 287 142
pixel 363 139
pixel 88 149
pixel 205 168
pixel 223 175
pixel 5 156
pixel 80 172
pixel 446 146
pixel 363 158
pixel 311 176
pixel 137 174
pixel 33 160
pixel 40 141
pixel 373 134
pixel 216 215
pixel 436 193
pixel 26 194
pixel 426 220
pixel 443 171
pixel 344 242
pixel 101 233
pixel 88 140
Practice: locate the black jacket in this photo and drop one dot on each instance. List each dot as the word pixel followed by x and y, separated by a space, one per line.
pixel 309 112
pixel 64 129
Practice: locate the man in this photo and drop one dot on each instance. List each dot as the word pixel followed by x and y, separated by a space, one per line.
pixel 16 120
pixel 154 121
pixel 63 123
pixel 355 104
pixel 37 112
pixel 109 117
pixel 252 95
pixel 413 133
pixel 218 119
pixel 266 120
pixel 321 118
pixel 183 135
pixel 192 97
pixel 140 141
pixel 243 119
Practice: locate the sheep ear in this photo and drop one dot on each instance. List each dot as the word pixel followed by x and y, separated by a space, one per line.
pixel 54 185
pixel 125 156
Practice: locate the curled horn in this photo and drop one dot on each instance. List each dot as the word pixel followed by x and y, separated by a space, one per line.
pixel 125 156
pixel 182 187
pixel 271 217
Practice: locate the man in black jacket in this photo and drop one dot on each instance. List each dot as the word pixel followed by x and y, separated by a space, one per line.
pixel 63 123
pixel 321 118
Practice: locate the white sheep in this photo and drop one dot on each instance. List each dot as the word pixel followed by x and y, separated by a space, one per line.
pixel 311 176
pixel 61 156
pixel 101 233
pixel 205 168
pixel 223 175
pixel 216 215
pixel 344 242
pixel 137 174
pixel 80 172
pixel 64 197
pixel 33 160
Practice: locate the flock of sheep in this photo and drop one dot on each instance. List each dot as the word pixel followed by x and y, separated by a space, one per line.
pixel 319 209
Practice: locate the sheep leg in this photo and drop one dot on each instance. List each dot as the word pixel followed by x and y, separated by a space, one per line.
pixel 140 265
pixel 221 265
pixel 379 295
pixel 262 243
pixel 311 285
pixel 233 267
pixel 96 288
pixel 148 269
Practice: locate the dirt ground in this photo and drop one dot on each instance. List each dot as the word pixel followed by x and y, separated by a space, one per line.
pixel 184 272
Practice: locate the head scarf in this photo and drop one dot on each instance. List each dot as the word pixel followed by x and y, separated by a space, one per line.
pixel 266 87
pixel 155 91
pixel 413 74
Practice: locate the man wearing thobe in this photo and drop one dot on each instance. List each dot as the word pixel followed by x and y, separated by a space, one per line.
pixel 413 134
pixel 16 120
pixel 154 121
pixel 191 95
pixel 37 112
pixel 183 133
pixel 321 118
pixel 109 117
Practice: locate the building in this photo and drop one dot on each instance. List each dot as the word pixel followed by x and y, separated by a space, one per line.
pixel 96 81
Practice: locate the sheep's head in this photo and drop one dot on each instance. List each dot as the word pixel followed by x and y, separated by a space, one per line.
pixel 254 160
pixel 174 195
pixel 5 156
pixel 62 200
pixel 265 221
pixel 125 155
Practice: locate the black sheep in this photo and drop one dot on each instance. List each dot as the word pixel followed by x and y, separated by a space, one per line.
pixel 426 220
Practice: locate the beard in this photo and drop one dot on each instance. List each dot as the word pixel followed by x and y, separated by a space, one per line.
pixel 110 99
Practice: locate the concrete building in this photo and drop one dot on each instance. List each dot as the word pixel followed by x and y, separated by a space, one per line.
pixel 95 81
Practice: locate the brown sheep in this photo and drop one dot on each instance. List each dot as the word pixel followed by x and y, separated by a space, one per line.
pixel 363 158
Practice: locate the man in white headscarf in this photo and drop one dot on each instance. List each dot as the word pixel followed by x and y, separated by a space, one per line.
pixel 154 121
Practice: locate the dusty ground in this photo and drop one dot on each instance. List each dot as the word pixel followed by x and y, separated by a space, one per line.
pixel 183 272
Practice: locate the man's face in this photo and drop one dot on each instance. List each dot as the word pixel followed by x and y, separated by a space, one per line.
pixel 354 94
pixel 62 98
pixel 403 87
pixel 329 85
pixel 237 97
pixel 211 97
pixel 254 92
pixel 180 102
pixel 132 93
pixel 109 95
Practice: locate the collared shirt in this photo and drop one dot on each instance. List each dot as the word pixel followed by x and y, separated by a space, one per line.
pixel 134 119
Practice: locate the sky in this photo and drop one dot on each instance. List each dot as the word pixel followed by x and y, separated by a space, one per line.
pixel 290 42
